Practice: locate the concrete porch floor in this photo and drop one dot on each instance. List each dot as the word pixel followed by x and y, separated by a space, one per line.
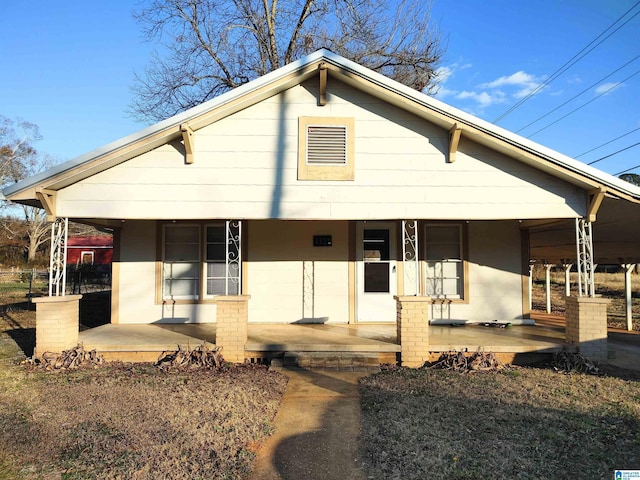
pixel 380 338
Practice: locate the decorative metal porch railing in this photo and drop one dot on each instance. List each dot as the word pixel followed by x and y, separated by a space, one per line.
pixel 584 245
pixel 234 257
pixel 58 257
pixel 410 262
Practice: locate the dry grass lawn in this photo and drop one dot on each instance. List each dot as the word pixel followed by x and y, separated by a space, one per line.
pixel 128 421
pixel 523 423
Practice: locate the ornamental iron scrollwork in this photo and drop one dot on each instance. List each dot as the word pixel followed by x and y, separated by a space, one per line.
pixel 233 257
pixel 584 245
pixel 411 265
pixel 58 257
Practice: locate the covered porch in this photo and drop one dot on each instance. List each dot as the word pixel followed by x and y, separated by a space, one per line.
pixel 341 342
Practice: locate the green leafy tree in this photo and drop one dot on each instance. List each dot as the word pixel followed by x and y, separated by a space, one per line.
pixel 212 46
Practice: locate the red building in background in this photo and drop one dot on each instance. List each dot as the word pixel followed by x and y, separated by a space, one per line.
pixel 89 250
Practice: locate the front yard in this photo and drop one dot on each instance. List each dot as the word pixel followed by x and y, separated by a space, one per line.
pixel 522 423
pixel 127 420
pixel 135 421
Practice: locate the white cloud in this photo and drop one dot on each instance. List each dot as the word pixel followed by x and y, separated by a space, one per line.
pixel 575 80
pixel 607 88
pixel 443 92
pixel 443 73
pixel 483 95
pixel 484 99
pixel 527 83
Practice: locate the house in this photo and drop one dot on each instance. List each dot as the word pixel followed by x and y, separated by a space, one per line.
pixel 89 250
pixel 326 193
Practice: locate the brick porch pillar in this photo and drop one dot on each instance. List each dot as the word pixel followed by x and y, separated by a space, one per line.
pixel 231 328
pixel 587 325
pixel 57 323
pixel 413 329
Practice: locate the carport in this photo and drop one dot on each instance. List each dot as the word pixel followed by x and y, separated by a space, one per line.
pixel 615 240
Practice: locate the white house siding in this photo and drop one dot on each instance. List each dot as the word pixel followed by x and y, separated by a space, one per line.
pixel 290 280
pixel 495 273
pixel 246 167
pixel 277 253
pixel 137 287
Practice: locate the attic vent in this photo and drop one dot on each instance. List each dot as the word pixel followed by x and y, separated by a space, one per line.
pixel 326 148
pixel 326 145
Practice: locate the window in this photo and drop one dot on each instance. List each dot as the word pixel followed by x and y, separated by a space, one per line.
pixel 325 148
pixel 196 266
pixel 86 258
pixel 220 271
pixel 376 260
pixel 444 261
pixel 181 267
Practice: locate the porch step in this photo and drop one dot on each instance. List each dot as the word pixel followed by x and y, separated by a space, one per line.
pixel 345 361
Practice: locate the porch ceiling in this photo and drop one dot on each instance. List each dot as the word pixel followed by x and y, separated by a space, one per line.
pixel 616 236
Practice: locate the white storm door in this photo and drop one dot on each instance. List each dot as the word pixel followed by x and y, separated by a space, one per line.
pixel 377 279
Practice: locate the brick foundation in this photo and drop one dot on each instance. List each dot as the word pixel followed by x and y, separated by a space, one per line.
pixel 231 327
pixel 587 325
pixel 57 323
pixel 413 329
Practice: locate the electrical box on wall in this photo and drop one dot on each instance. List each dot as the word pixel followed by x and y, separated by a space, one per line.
pixel 322 241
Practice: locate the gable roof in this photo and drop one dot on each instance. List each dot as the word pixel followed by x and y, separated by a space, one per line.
pixel 431 109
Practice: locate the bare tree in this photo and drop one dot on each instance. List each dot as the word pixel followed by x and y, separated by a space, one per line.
pixel 18 160
pixel 212 46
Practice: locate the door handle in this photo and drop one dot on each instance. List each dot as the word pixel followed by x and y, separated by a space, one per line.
pixel 393 269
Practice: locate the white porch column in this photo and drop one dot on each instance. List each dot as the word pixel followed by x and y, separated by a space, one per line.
pixel 530 286
pixel 628 268
pixel 547 271
pixel 567 279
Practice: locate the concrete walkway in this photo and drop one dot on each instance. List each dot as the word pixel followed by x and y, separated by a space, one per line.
pixel 317 429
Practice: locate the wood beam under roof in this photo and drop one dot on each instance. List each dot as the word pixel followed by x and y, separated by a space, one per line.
pixel 595 197
pixel 454 139
pixel 322 98
pixel 48 200
pixel 187 138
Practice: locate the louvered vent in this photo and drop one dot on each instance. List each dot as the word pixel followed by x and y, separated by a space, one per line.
pixel 326 145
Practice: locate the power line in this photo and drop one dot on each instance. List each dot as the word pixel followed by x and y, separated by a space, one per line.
pixel 576 96
pixel 585 104
pixel 627 170
pixel 572 61
pixel 614 153
pixel 607 143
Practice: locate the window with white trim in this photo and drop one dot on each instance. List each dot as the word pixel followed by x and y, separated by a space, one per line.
pixel 326 148
pixel 444 261
pixel 86 257
pixel 197 266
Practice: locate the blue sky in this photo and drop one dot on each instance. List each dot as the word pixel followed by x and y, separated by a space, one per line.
pixel 68 67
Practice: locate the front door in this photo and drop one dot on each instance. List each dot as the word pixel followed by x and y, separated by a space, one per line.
pixel 377 279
